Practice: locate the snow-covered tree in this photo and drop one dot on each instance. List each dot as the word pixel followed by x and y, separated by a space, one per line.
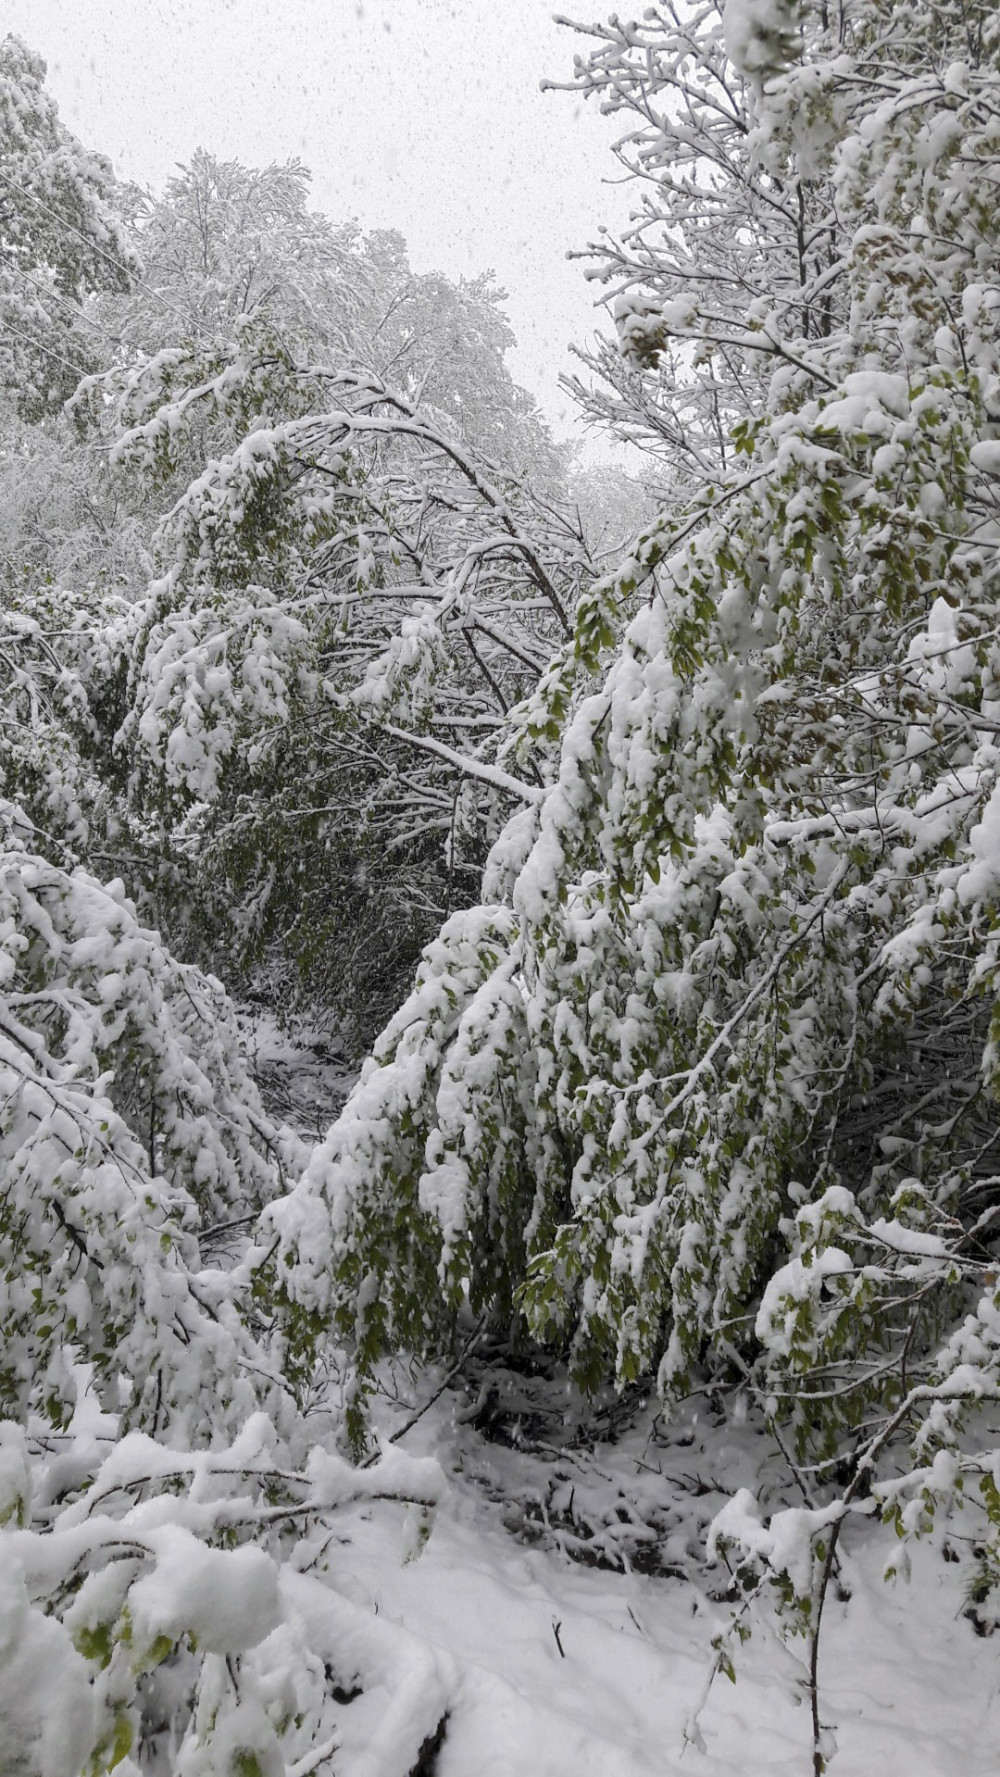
pixel 707 1083
pixel 63 239
pixel 732 251
pixel 226 246
pixel 354 596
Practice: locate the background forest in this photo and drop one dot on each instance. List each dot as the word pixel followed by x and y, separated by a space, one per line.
pixel 644 833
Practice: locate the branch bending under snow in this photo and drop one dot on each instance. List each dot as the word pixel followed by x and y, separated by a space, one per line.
pixel 488 774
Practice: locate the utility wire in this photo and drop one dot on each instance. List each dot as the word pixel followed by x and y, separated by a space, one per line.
pixel 75 308
pixel 118 264
pixel 8 327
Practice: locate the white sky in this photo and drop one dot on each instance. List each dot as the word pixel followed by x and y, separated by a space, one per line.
pixel 421 115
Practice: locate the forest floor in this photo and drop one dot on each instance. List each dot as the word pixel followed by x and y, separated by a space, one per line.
pixel 302 1074
pixel 561 1619
pixel 562 1615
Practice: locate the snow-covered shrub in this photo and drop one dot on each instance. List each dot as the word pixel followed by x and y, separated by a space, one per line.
pixel 144 1611
pixel 129 1126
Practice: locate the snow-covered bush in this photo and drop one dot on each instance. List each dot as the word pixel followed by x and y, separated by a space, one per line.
pixel 146 1616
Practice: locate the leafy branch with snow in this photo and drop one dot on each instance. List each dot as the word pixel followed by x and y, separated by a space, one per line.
pixel 693 1095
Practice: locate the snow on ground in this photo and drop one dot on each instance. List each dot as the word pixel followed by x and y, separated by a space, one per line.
pixel 301 1074
pixel 548 1667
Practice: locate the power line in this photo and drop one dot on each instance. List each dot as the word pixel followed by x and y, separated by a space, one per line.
pixel 118 264
pixel 8 327
pixel 74 308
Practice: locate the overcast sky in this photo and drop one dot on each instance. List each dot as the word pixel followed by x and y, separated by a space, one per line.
pixel 422 115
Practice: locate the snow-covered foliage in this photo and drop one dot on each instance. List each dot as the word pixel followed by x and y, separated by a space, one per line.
pixel 710 1083
pixel 145 1619
pixel 129 1127
pixel 62 238
pixel 696 1086
pixel 356 598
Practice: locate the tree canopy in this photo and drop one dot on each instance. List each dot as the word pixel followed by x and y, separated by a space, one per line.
pixel 706 1085
pixel 695 1086
pixel 62 238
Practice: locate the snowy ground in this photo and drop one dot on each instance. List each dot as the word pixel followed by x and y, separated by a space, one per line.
pixel 301 1073
pixel 547 1665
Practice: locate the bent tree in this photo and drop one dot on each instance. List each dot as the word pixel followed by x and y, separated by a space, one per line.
pixel 317 690
pixel 152 1458
pixel 706 1085
pixel 367 558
